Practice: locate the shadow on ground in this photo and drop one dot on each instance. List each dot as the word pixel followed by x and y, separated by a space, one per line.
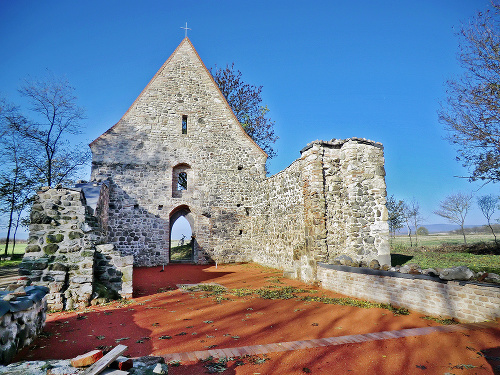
pixel 400 259
pixel 152 280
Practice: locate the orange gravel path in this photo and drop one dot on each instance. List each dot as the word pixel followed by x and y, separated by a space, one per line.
pixel 162 320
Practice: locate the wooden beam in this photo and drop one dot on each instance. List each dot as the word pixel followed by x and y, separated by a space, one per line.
pixel 105 361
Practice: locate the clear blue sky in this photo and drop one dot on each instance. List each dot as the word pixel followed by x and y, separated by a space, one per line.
pixel 330 69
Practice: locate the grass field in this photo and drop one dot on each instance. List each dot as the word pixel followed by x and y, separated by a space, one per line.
pixel 443 251
pixel 438 239
pixel 15 258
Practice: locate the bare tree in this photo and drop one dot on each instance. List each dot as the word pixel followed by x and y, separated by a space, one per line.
pixel 56 117
pixel 16 181
pixel 471 113
pixel 455 208
pixel 488 205
pixel 246 102
pixel 407 216
pixel 415 217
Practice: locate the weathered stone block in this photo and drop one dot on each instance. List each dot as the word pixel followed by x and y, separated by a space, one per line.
pixel 32 249
pixel 50 248
pixel 51 238
pixel 75 235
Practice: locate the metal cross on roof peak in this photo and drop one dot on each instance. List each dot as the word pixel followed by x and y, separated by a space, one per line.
pixel 186 28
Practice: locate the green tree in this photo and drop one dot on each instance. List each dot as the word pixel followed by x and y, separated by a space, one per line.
pixel 246 102
pixel 422 231
pixel 471 112
pixel 395 211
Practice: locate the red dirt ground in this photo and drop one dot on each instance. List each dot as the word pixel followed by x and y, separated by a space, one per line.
pixel 162 319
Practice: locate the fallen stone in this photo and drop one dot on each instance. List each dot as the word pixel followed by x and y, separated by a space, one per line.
pixel 344 260
pixel 161 368
pixel 87 359
pixel 492 278
pixel 51 367
pixel 405 269
pixel 122 363
pixel 456 273
pixel 374 264
pixel 430 272
pixel 147 361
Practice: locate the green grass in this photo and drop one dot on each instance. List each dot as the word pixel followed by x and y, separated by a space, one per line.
pixel 444 251
pixel 438 239
pixel 181 252
pixel 15 258
pixel 274 292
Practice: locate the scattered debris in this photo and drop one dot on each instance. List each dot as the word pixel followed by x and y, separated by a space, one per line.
pixel 87 359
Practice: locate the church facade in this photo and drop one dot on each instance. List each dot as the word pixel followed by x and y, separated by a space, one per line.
pixel 180 151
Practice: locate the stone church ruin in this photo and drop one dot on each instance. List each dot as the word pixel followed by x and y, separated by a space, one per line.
pixel 179 151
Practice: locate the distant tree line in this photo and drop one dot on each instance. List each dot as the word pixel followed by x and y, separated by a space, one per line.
pixel 454 208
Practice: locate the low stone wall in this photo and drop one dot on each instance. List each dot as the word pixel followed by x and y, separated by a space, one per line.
pixel 462 300
pixel 22 318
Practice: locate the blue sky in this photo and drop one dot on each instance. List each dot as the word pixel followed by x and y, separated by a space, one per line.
pixel 330 69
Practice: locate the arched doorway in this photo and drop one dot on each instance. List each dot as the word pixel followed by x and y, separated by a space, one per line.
pixel 181 235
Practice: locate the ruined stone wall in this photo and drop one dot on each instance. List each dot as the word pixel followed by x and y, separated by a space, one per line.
pixel 61 246
pixel 61 252
pixel 355 197
pixel 330 201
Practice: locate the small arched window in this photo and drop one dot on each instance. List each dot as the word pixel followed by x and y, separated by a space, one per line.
pixel 181 179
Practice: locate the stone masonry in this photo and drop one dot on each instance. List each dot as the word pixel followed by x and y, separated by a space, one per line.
pixel 61 252
pixel 462 300
pixel 328 202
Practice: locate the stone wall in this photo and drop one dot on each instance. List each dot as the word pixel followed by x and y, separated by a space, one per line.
pixel 61 251
pixel 465 301
pixel 61 247
pixel 331 201
pixel 113 270
pixel 276 220
pixel 22 318
pixel 355 198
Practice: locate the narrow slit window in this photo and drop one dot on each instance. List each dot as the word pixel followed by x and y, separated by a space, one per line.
pixel 184 124
pixel 182 181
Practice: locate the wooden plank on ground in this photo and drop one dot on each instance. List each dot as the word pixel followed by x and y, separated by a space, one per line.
pixel 111 371
pixel 105 361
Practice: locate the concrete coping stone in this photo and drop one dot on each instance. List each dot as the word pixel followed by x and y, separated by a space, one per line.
pixel 34 294
pixel 369 271
pixel 338 143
